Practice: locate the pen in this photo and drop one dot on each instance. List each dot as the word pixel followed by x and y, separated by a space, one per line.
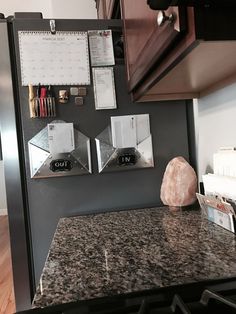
pixel 37 101
pixel 31 101
pixel 51 101
pixel 43 107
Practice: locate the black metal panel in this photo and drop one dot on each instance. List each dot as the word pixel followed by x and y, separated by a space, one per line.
pixel 28 15
pixel 191 134
pixel 50 199
pixel 16 202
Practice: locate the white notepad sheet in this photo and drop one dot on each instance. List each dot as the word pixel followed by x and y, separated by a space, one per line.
pixel 104 88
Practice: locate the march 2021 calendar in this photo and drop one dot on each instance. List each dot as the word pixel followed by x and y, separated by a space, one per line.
pixel 54 59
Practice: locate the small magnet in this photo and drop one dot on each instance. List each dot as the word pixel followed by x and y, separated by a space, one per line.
pixel 79 101
pixel 82 91
pixel 63 96
pixel 74 91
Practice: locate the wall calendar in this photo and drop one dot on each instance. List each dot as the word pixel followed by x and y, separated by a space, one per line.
pixel 54 59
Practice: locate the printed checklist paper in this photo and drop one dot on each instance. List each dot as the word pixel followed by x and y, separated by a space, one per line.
pixel 104 88
pixel 101 47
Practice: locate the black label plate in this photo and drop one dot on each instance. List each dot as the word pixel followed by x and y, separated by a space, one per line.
pixel 127 160
pixel 61 165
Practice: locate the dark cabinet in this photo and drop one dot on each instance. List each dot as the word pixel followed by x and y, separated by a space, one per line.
pixel 180 53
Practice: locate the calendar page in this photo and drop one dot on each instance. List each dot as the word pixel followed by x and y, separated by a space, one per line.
pixel 54 59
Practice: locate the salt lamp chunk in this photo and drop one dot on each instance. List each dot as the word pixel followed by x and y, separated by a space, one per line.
pixel 179 184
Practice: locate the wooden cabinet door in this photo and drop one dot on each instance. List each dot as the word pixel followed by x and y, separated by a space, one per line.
pixel 105 8
pixel 101 9
pixel 147 43
pixel 109 7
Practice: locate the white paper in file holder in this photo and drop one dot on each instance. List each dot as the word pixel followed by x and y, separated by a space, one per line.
pixel 130 130
pixel 61 138
pixel 124 131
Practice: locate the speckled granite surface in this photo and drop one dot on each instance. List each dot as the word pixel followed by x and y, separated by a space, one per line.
pixel 105 254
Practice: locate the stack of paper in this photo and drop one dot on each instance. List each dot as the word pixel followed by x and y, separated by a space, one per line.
pixel 224 186
pixel 224 163
pixel 219 202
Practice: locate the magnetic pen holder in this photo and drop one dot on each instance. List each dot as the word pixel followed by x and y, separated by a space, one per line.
pixel 43 105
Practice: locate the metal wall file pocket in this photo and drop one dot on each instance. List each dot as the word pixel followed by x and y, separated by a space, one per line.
pixel 44 164
pixel 112 158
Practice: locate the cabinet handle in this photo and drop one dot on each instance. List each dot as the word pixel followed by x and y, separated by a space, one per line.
pixel 162 18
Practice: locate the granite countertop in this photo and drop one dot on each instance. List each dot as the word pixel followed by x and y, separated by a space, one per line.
pixel 105 254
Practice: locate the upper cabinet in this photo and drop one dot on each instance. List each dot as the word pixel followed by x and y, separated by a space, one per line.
pixel 108 9
pixel 179 53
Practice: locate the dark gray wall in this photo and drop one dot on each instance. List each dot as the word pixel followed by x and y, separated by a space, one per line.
pixel 50 199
